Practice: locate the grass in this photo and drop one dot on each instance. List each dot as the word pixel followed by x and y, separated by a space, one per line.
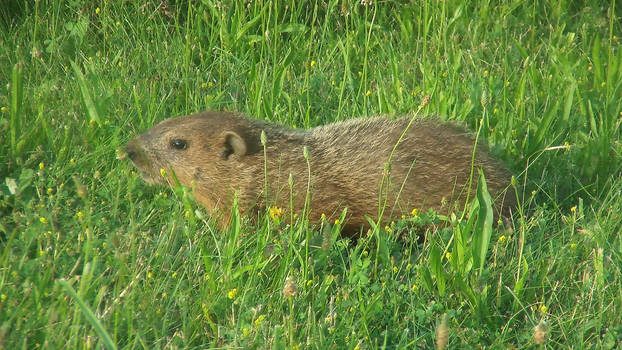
pixel 92 257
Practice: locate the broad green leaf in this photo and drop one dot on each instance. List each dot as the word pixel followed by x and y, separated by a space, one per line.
pixel 483 228
pixel 437 269
pixel 292 28
pixel 87 99
pixel 246 27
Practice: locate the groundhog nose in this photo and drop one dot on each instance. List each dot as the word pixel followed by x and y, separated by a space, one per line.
pixel 131 151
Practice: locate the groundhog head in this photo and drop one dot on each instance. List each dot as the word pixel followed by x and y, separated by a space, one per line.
pixel 208 148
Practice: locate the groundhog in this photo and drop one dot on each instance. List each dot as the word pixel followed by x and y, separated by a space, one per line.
pixel 374 167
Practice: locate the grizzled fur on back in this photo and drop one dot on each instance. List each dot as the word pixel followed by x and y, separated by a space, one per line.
pixel 220 154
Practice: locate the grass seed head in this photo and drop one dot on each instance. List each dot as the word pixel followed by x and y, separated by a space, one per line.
pixel 540 332
pixel 290 289
pixel 81 190
pixel 442 333
pixel 425 101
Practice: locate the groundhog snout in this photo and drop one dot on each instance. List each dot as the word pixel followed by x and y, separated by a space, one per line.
pixel 132 151
pixel 136 153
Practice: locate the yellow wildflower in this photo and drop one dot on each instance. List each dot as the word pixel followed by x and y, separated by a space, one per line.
pixel 275 212
pixel 543 308
pixel 259 320
pixel 232 293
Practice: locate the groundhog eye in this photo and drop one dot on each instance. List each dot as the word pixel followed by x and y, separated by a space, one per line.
pixel 179 144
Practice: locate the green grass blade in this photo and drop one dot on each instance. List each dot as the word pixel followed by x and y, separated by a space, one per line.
pixel 568 103
pixel 90 316
pixel 17 91
pixel 544 130
pixel 87 99
pixel 598 68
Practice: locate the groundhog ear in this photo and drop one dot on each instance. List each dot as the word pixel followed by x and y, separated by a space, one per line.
pixel 233 144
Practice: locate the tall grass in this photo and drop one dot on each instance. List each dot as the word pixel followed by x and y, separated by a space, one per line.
pixel 151 270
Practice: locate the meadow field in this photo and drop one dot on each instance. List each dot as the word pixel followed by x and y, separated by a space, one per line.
pixel 92 257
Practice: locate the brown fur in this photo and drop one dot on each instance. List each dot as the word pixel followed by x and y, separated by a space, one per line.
pixel 224 155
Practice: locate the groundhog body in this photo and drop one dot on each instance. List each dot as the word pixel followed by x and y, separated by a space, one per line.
pixel 358 164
